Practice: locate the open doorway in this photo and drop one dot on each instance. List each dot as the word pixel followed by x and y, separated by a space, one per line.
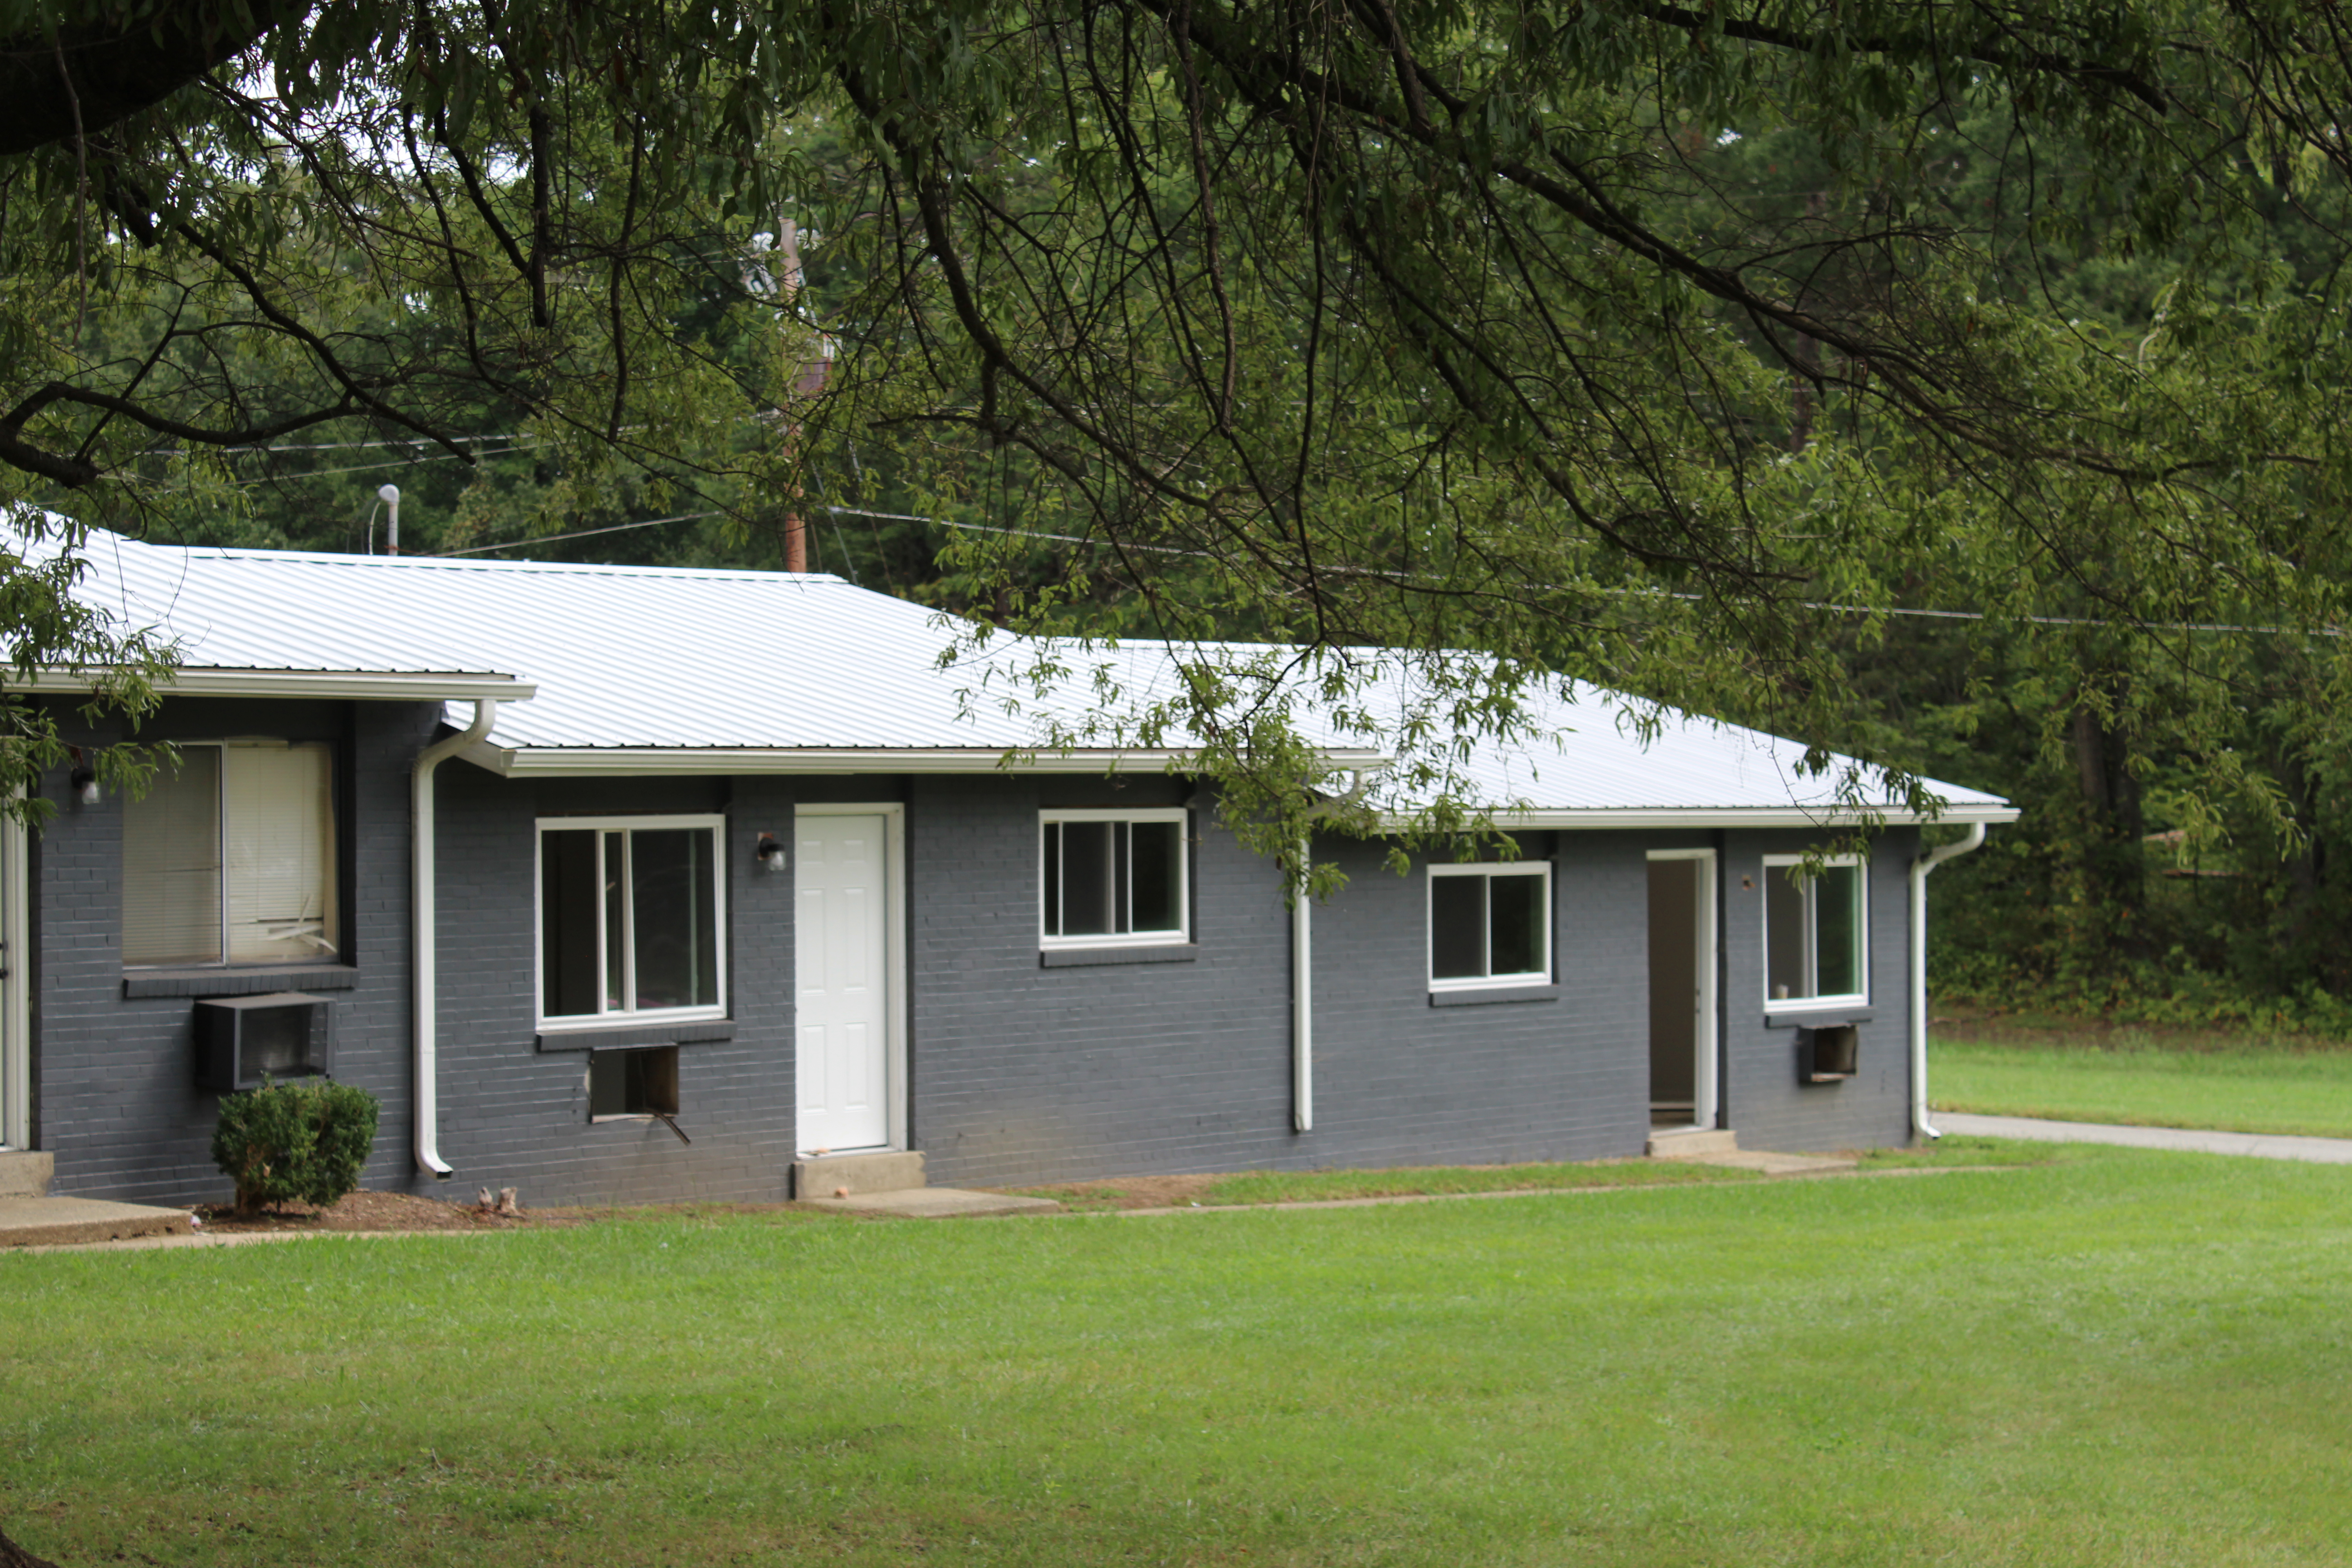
pixel 1681 988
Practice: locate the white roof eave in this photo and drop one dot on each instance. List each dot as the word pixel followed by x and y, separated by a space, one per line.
pixel 357 685
pixel 1961 813
pixel 610 762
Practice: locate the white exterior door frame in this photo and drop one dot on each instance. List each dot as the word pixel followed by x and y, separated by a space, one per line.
pixel 15 976
pixel 1706 1096
pixel 894 944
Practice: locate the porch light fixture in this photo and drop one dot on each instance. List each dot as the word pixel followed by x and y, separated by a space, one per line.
pixel 768 854
pixel 84 778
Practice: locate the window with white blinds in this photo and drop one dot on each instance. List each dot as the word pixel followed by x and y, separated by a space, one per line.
pixel 231 859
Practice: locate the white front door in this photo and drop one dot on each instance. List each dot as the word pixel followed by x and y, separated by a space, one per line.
pixel 843 980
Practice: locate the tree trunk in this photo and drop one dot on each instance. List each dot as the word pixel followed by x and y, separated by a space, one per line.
pixel 15 1556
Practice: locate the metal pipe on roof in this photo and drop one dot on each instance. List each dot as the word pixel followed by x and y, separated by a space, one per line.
pixel 1919 869
pixel 423 953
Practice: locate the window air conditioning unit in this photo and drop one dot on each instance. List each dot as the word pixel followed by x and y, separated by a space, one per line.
pixel 242 1039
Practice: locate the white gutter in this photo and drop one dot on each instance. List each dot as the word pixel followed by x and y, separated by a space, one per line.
pixel 1919 869
pixel 1825 818
pixel 613 761
pixel 366 686
pixel 426 1109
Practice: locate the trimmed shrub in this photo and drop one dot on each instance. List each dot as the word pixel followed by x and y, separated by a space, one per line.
pixel 304 1141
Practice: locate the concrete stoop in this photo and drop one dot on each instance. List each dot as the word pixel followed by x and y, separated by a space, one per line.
pixel 1721 1146
pixel 856 1175
pixel 893 1183
pixel 26 1175
pixel 1692 1143
pixel 67 1222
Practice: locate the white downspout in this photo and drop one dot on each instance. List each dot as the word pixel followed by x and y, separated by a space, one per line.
pixel 1919 869
pixel 1302 1007
pixel 1302 960
pixel 426 1109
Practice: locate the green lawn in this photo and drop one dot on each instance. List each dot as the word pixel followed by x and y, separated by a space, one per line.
pixel 2248 1088
pixel 2111 1357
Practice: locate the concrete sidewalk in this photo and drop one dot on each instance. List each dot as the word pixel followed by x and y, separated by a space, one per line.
pixel 2259 1145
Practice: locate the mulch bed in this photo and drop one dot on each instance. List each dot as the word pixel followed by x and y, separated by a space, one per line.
pixel 374 1211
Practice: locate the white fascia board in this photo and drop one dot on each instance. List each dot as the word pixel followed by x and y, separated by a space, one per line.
pixel 612 762
pixel 366 686
pixel 1731 817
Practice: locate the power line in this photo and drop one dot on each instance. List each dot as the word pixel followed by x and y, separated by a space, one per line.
pixel 582 533
pixel 1805 604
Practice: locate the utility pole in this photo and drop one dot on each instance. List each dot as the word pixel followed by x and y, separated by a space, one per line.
pixel 809 382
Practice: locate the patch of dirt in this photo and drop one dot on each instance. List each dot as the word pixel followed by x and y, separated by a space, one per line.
pixel 1125 1192
pixel 375 1211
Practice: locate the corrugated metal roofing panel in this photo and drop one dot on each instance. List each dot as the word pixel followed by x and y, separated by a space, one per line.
pixel 648 657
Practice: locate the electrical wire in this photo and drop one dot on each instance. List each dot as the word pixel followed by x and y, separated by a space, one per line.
pixel 582 533
pixel 2252 630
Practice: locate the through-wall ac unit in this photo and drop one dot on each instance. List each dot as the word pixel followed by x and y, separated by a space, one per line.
pixel 242 1040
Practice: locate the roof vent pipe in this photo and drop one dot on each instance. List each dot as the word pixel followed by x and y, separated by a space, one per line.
pixel 390 496
pixel 1919 869
pixel 425 1109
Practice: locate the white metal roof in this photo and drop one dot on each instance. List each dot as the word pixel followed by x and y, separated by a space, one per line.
pixel 649 669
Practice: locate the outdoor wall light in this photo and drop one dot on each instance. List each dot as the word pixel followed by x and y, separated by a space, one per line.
pixel 768 854
pixel 84 778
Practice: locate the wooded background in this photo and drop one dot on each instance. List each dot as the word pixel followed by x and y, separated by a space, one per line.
pixel 1949 384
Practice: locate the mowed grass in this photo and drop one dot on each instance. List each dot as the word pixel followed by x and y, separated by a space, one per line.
pixel 2244 1086
pixel 2114 1357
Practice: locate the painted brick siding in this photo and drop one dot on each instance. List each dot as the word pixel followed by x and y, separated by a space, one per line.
pixel 1398 1081
pixel 1024 1073
pixel 114 1098
pixel 515 1115
pixel 1766 1105
pixel 1028 1074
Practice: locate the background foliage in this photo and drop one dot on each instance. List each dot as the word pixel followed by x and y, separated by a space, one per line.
pixel 1949 382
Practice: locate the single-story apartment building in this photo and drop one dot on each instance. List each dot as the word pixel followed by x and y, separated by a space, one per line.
pixel 621 883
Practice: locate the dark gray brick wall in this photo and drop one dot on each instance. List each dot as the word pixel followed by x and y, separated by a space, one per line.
pixel 1027 1074
pixel 1019 1073
pixel 1401 1082
pixel 1766 1105
pixel 114 1098
pixel 512 1115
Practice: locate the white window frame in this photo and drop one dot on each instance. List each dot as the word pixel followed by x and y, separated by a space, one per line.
pixel 716 824
pixel 330 903
pixel 1539 868
pixel 1178 814
pixel 1812 935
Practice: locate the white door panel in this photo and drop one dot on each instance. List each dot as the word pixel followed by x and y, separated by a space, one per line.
pixel 842 969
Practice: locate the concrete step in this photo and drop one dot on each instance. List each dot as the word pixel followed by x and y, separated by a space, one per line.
pixel 62 1222
pixel 853 1175
pixel 937 1202
pixel 1692 1143
pixel 26 1175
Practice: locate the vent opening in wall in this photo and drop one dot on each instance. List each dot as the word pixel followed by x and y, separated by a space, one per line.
pixel 1827 1054
pixel 633 1083
pixel 243 1041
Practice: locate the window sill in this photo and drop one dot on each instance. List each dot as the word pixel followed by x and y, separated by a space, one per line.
pixel 1830 1016
pixel 1479 995
pixel 602 1037
pixel 253 982
pixel 1086 957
